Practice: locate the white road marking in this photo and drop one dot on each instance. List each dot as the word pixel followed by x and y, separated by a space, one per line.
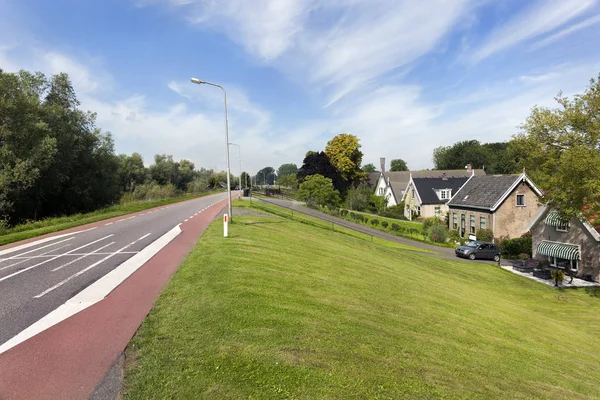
pixel 53 258
pixel 125 219
pixel 45 240
pixel 110 223
pixel 93 293
pixel 82 257
pixel 75 275
pixel 68 255
pixel 29 258
pixel 39 248
pixel 186 220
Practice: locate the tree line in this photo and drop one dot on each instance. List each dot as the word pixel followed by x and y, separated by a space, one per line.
pixel 54 160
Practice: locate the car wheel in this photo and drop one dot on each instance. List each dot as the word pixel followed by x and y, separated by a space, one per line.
pixel 472 256
pixel 497 257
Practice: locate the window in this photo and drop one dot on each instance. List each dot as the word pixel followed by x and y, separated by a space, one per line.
pixel 562 227
pixel 381 191
pixel 482 222
pixel 454 221
pixel 472 224
pixel 445 194
pixel 437 211
pixel 462 221
pixel 520 200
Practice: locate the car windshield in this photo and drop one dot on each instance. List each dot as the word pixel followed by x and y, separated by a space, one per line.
pixel 472 244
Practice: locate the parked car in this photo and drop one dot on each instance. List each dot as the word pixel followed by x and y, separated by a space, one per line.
pixel 476 249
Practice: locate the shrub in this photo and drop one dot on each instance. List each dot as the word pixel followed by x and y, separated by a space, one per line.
pixel 428 223
pixel 343 212
pixel 352 215
pixel 384 224
pixel 543 263
pixel 512 248
pixel 558 275
pixel 395 227
pixel 375 222
pixel 454 236
pixel 523 256
pixel 438 233
pixel 486 235
pixel 396 212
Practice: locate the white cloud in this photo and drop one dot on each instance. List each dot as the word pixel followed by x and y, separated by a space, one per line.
pixel 567 31
pixel 541 17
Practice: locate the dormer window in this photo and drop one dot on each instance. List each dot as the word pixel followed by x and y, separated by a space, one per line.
pixel 445 194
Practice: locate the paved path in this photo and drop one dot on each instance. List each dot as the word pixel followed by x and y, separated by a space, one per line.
pixel 442 252
pixel 66 312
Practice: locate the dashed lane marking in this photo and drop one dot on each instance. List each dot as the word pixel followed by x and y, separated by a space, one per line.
pixel 29 258
pixel 39 248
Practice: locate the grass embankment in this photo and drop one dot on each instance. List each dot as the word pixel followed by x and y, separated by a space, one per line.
pixel 50 225
pixel 283 309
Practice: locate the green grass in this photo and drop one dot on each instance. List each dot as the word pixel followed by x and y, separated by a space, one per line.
pixel 319 223
pixel 286 310
pixel 50 225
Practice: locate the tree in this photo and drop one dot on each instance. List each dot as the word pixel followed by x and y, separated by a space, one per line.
pixel 266 176
pixel 495 157
pixel 398 165
pixel 245 179
pixel 132 171
pixel 560 150
pixel 344 154
pixel 369 168
pixel 286 169
pixel 289 181
pixel 318 190
pixel 318 163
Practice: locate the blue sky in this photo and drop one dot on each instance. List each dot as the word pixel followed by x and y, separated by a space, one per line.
pixel 404 76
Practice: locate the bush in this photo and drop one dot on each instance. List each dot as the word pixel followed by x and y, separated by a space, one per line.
pixel 352 215
pixel 438 233
pixel 375 222
pixel 455 236
pixel 513 248
pixel 428 223
pixel 395 227
pixel 343 212
pixel 396 212
pixel 384 224
pixel 523 256
pixel 486 235
pixel 557 275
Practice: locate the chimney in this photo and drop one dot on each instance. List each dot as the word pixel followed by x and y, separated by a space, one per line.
pixel 382 162
pixel 444 178
pixel 469 168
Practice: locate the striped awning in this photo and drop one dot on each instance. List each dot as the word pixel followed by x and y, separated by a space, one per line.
pixel 559 250
pixel 554 219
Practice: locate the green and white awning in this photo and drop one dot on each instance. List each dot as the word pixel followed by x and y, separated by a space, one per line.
pixel 558 250
pixel 554 219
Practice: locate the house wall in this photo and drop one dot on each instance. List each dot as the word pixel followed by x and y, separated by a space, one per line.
pixel 411 201
pixel 389 195
pixel 380 187
pixel 577 234
pixel 512 220
pixel 468 213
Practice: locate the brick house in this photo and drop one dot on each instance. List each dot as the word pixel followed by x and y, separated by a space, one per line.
pixel 568 244
pixel 503 203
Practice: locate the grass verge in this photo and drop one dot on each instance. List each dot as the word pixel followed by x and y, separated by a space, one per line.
pixel 283 309
pixel 50 225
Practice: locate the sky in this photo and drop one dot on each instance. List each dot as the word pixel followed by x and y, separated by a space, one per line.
pixel 403 76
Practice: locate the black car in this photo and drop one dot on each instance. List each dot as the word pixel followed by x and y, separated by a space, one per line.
pixel 477 249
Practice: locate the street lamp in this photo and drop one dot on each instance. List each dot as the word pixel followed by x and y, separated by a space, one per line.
pixel 200 82
pixel 240 158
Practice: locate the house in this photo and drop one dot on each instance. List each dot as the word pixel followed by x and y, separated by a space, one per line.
pixel 572 244
pixel 392 184
pixel 428 197
pixel 503 203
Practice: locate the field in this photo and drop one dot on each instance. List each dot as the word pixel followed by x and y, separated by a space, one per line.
pixel 284 309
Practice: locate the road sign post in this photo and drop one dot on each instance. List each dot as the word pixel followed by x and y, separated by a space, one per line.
pixel 225 223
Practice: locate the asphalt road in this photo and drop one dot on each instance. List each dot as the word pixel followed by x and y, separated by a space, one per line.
pixel 36 280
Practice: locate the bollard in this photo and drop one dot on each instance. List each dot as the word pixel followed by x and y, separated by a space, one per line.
pixel 225 224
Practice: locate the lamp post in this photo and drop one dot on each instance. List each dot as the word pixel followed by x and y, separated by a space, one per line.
pixel 200 82
pixel 240 159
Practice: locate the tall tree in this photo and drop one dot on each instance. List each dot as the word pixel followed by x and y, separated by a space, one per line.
pixel 319 190
pixel 398 165
pixel 369 168
pixel 559 149
pixel 344 154
pixel 286 169
pixel 318 163
pixel 132 171
pixel 266 176
pixel 495 157
pixel 245 179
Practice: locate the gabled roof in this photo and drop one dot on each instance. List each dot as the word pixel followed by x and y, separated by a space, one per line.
pixel 426 188
pixel 399 179
pixel 373 178
pixel 489 191
pixel 540 217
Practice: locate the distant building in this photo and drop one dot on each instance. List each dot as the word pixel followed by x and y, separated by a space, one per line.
pixel 428 197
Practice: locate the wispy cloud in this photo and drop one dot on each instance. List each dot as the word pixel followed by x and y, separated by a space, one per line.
pixel 565 32
pixel 541 17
